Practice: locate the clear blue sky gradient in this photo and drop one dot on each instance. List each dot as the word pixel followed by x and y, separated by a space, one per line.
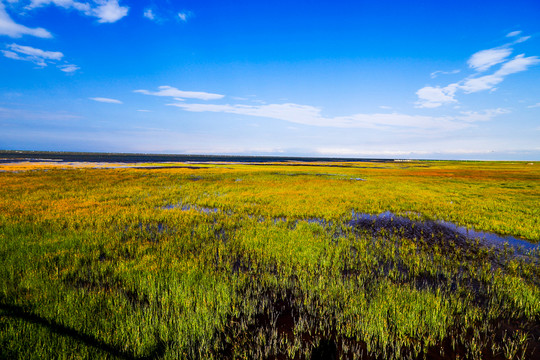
pixel 394 79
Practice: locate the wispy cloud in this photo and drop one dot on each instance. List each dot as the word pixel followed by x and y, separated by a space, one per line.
pixel 352 151
pixel 534 106
pixel 432 97
pixel 106 100
pixel 109 11
pixel 518 64
pixel 66 4
pixel 514 34
pixel 434 152
pixel 481 61
pixel 27 53
pixel 37 56
pixel 149 14
pixel 163 15
pixel 477 116
pixel 310 115
pixel 170 91
pixel 106 11
pixel 31 115
pixel 185 15
pixel 68 68
pixel 521 39
pixel 440 72
pixel 12 29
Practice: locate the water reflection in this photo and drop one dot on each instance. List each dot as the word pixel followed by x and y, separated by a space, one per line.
pixel 401 226
pixel 186 207
pixel 411 228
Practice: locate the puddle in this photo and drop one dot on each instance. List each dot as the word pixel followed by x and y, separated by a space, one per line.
pixel 186 207
pixel 341 176
pixel 438 229
pixel 400 225
pixel 304 174
pixel 26 159
pixel 275 220
pixel 319 221
pixel 491 238
pixel 158 228
pixel 160 167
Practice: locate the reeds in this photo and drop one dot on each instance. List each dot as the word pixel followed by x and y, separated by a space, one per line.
pixel 92 264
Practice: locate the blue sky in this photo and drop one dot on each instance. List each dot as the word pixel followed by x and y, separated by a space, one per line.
pixel 393 79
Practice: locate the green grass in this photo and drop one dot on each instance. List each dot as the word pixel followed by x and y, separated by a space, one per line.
pixel 93 265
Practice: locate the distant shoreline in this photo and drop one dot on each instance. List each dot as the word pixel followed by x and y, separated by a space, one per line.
pixel 12 155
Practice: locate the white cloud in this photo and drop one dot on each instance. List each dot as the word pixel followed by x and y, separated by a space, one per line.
pixel 24 114
pixel 481 83
pixel 522 39
pixel 310 115
pixel 66 4
pixel 163 15
pixel 68 68
pixel 143 110
pixel 149 14
pixel 432 97
pixel 30 51
pixel 434 74
pixel 517 64
pixel 486 115
pixel 39 57
pixel 351 151
pixel 184 15
pixel 483 60
pixel 12 29
pixel 107 11
pixel 534 106
pixel 106 100
pixel 11 55
pixel 514 34
pixel 302 114
pixel 175 93
pixel 433 151
pixel 27 53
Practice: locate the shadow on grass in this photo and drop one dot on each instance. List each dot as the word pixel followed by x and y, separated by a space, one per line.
pixel 19 312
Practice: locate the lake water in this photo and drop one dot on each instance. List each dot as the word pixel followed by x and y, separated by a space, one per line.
pixel 15 156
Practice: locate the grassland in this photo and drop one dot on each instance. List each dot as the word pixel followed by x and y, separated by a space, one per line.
pixel 263 261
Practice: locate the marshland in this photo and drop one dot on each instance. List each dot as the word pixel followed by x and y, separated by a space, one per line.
pixel 273 260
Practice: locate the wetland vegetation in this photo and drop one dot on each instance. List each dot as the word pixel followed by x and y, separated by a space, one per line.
pixel 273 261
